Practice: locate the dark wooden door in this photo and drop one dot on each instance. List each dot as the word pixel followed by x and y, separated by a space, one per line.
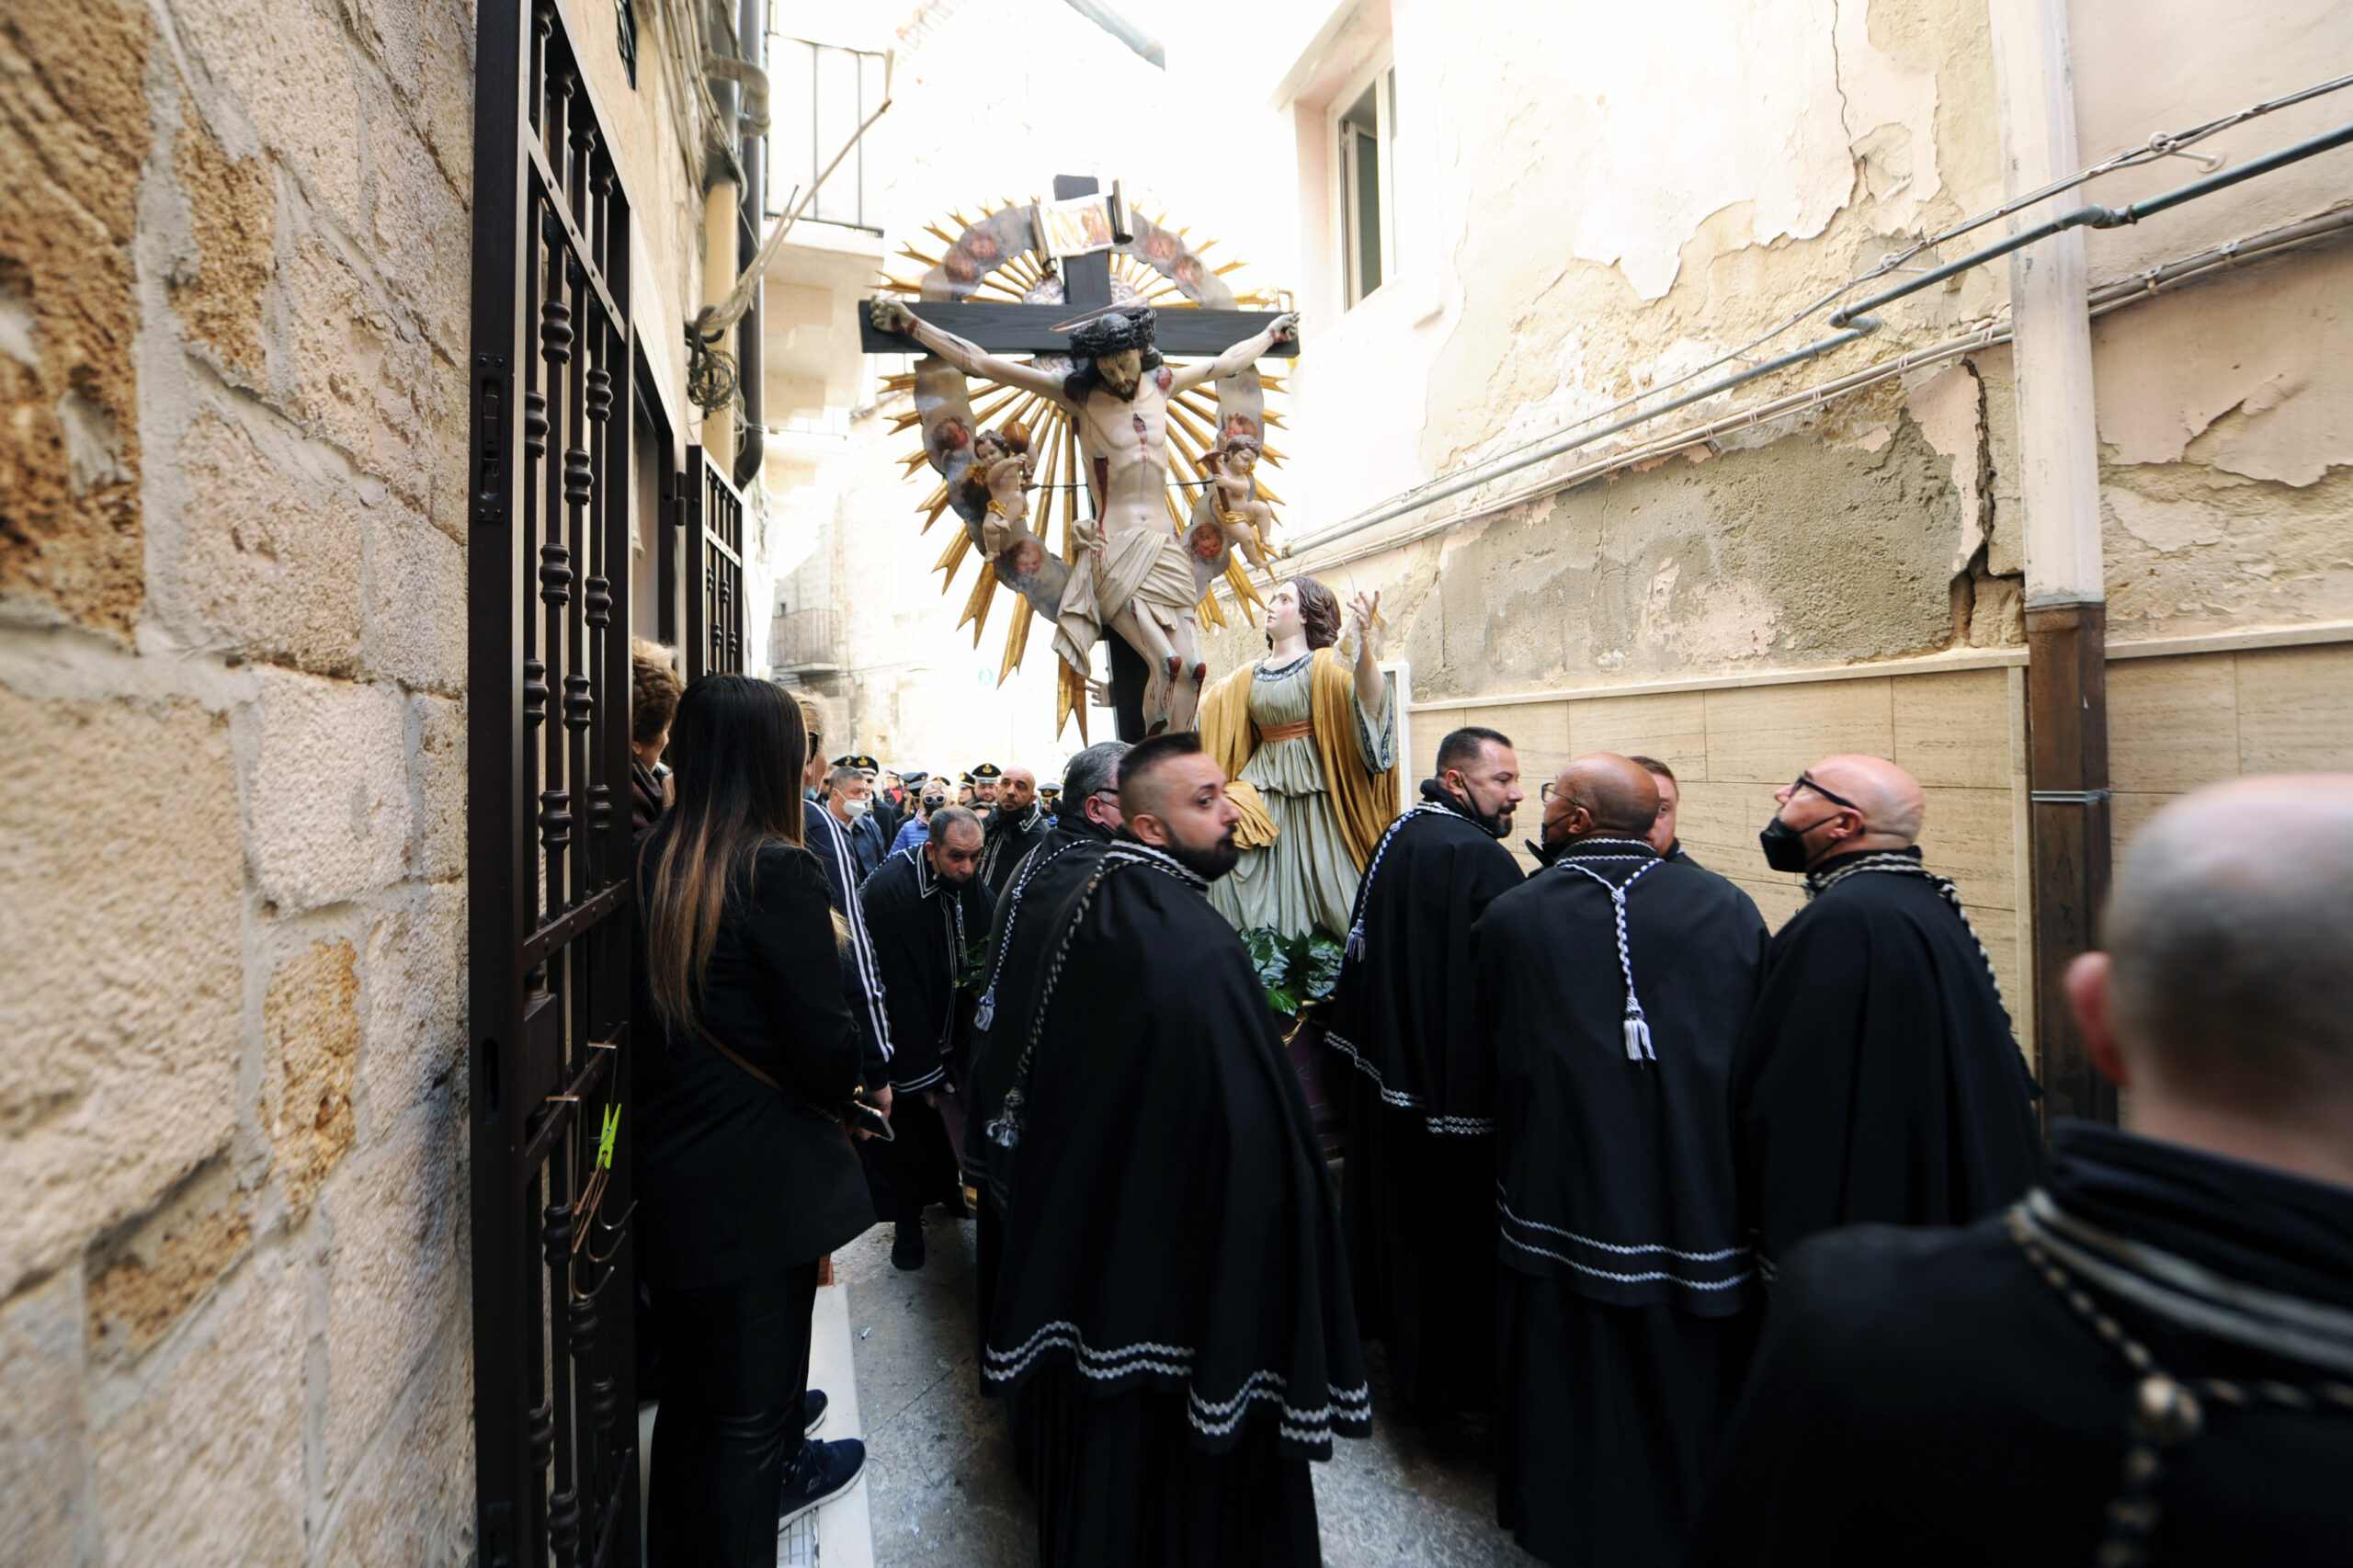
pixel 548 857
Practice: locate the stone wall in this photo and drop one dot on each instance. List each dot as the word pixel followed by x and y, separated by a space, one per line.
pixel 233 243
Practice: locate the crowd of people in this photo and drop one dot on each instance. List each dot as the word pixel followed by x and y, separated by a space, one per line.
pixel 1746 1246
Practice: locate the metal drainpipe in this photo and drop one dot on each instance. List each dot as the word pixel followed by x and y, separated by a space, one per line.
pixel 752 451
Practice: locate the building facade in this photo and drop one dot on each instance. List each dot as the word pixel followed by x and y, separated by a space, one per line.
pixel 237 447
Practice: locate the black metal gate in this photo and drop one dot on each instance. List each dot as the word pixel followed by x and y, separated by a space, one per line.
pixel 548 857
pixel 714 551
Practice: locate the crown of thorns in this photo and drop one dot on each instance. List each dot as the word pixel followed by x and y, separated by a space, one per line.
pixel 1109 333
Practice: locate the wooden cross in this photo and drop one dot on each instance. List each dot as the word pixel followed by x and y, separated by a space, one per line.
pixel 1010 329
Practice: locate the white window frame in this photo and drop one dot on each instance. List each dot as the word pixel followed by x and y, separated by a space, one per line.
pixel 1381 75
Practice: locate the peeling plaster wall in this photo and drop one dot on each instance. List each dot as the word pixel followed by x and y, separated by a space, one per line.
pixel 233 324
pixel 2226 446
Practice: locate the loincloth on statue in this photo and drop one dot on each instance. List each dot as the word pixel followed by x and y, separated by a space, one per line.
pixel 1143 567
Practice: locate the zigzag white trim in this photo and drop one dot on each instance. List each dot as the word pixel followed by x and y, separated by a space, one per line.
pixel 1214 1418
pixel 1460 1126
pixel 1397 1097
pixel 1721 1255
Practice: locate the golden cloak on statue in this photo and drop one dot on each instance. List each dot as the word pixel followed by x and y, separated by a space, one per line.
pixel 1311 765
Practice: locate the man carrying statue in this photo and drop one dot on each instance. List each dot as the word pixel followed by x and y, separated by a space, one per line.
pixel 1133 575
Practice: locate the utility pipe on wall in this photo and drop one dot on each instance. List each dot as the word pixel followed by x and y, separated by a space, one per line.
pixel 751 40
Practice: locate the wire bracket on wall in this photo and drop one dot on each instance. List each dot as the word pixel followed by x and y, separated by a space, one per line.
pixel 711 370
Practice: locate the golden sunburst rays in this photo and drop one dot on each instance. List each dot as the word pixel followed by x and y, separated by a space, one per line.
pixel 1058 476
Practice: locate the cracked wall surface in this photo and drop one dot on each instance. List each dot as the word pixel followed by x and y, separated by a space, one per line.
pixel 235 275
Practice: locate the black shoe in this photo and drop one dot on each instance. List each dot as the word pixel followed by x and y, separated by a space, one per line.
pixel 906 1248
pixel 812 1412
pixel 823 1473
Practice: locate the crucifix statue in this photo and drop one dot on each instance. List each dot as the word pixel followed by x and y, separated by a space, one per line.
pixel 1073 282
pixel 1136 575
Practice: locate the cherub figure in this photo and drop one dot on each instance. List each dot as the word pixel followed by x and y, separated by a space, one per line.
pixel 1246 519
pixel 999 481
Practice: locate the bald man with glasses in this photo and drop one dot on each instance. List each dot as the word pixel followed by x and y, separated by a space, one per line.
pixel 1879 1079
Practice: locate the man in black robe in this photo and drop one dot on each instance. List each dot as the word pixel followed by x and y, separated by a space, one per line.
pixel 1171 1323
pixel 1418 1188
pixel 1879 1079
pixel 1662 835
pixel 1019 825
pixel 861 978
pixel 1613 986
pixel 1018 960
pixel 930 911
pixel 2150 1360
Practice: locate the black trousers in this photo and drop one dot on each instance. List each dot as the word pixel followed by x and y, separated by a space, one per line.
pixel 917 1166
pixel 735 1372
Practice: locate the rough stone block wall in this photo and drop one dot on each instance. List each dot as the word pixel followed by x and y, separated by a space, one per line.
pixel 233 272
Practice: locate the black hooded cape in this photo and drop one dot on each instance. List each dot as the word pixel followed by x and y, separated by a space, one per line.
pixel 1417 1200
pixel 1009 838
pixel 1625 1274
pixel 1929 1398
pixel 1879 1080
pixel 1018 950
pixel 1167 1225
pixel 923 925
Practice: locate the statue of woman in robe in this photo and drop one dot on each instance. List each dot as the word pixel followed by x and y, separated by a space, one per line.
pixel 1309 744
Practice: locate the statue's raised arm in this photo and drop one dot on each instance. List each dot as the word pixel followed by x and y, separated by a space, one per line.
pixel 890 315
pixel 1284 329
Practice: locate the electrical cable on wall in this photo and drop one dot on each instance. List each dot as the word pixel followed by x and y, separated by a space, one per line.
pixel 2163 144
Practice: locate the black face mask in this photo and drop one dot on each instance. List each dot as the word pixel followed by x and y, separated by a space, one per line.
pixel 1784 845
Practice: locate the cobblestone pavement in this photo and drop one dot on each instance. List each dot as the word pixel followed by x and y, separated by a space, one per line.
pixel 940 1472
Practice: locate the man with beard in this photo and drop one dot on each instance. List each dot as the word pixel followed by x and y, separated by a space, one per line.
pixel 1418 1188
pixel 2151 1357
pixel 1171 1321
pixel 1019 825
pixel 1017 962
pixel 929 909
pixel 1879 1079
pixel 1613 986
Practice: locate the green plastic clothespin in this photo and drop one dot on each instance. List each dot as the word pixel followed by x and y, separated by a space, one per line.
pixel 605 1140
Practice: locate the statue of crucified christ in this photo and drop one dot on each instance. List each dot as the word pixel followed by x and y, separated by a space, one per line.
pixel 1133 575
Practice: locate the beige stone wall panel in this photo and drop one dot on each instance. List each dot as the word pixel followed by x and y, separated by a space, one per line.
pixel 394 1275
pixel 362 374
pixel 1953 730
pixel 311 1047
pixel 415 603
pixel 2295 708
pixel 411 1500
pixel 438 737
pixel 414 1003
pixel 289 69
pixel 142 1280
pixel 198 1450
pixel 1669 726
pixel 73 140
pixel 119 1075
pixel 44 1514
pixel 1769 734
pixel 327 792
pixel 233 212
pixel 269 566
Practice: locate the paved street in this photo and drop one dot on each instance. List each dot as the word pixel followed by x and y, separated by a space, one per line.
pixel 940 1487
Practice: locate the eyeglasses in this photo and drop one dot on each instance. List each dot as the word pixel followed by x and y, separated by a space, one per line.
pixel 1805 781
pixel 1545 794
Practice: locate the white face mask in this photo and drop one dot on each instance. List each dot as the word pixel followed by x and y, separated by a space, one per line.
pixel 857 808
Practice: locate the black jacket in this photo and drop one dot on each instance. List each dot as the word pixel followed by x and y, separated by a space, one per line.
pixel 1929 1398
pixel 736 1178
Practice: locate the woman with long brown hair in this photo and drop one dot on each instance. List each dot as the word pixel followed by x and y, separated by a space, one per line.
pixel 744 1179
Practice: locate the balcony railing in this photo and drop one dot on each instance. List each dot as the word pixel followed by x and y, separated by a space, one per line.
pixel 819 94
pixel 803 640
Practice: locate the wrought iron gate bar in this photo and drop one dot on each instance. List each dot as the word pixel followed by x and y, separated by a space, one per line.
pixel 549 853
